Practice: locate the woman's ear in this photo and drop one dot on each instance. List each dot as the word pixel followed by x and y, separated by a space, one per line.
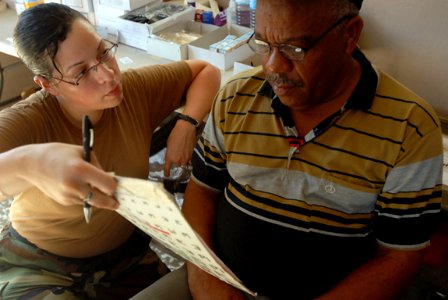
pixel 45 84
pixel 353 32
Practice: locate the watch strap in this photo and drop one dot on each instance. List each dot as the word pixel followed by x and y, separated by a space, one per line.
pixel 189 119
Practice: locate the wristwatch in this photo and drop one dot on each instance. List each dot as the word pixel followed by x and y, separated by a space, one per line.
pixel 189 119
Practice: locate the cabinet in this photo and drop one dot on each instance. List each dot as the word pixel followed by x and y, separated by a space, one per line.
pixel 14 78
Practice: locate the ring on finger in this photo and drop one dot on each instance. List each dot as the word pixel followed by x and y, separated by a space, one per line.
pixel 88 197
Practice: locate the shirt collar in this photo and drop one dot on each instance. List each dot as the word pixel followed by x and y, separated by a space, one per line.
pixel 361 98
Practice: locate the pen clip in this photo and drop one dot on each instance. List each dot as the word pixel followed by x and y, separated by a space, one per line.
pixel 87 145
pixel 87 137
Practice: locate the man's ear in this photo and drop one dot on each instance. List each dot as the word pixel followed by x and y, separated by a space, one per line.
pixel 45 84
pixel 353 32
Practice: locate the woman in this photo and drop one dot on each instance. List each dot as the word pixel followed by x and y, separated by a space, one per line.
pixel 49 250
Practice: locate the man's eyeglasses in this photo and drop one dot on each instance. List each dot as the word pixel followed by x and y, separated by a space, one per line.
pixel 107 55
pixel 290 52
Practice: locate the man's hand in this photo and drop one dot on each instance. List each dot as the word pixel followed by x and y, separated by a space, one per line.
pixel 204 286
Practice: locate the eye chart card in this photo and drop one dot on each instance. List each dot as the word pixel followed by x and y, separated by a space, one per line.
pixel 152 209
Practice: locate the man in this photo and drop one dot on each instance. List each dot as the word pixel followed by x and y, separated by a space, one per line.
pixel 318 176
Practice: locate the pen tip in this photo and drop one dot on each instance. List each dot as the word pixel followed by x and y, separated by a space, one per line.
pixel 87 214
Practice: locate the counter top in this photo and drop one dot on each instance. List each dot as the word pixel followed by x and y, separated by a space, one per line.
pixel 127 57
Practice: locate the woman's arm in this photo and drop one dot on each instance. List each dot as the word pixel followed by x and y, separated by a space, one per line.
pixel 206 80
pixel 59 171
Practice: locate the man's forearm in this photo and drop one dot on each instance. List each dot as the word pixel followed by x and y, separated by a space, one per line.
pixel 383 277
pixel 199 210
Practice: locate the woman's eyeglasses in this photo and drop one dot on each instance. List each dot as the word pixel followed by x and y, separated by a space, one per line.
pixel 107 55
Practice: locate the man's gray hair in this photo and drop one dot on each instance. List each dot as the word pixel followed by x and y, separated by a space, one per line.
pixel 343 8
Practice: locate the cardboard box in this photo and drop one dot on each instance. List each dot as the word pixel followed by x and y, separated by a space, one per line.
pixel 199 49
pixel 16 78
pixel 123 4
pixel 84 6
pixel 170 50
pixel 105 14
pixel 135 34
pixel 248 63
pixel 109 33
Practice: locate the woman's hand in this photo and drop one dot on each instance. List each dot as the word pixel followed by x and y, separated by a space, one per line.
pixel 180 145
pixel 60 171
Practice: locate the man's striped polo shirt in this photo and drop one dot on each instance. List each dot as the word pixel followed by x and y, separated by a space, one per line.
pixel 375 167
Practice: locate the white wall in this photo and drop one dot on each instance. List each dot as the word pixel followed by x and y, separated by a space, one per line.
pixel 409 40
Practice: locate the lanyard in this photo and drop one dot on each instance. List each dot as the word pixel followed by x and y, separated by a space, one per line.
pixel 296 142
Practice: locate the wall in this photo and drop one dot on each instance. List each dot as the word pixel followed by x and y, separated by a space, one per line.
pixel 409 40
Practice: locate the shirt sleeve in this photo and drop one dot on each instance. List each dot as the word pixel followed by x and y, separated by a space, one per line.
pixel 209 158
pixel 161 87
pixel 408 207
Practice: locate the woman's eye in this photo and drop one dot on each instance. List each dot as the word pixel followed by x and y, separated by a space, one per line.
pixel 80 74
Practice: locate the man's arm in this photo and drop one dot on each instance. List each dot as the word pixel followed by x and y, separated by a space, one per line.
pixel 383 277
pixel 199 209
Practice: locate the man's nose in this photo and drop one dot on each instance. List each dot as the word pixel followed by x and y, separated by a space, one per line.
pixel 276 62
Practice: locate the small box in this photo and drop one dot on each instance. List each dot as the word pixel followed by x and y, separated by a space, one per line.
pixel 85 6
pixel 134 31
pixel 176 51
pixel 199 49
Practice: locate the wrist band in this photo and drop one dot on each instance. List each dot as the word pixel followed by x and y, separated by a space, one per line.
pixel 189 119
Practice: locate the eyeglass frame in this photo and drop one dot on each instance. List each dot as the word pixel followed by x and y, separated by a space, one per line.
pixel 94 67
pixel 303 50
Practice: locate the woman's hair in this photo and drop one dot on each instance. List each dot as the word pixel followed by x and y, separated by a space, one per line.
pixel 38 33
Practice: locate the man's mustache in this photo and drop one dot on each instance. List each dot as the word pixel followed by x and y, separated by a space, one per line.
pixel 278 79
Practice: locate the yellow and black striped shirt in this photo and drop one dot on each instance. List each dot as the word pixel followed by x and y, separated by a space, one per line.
pixel 318 206
pixel 377 168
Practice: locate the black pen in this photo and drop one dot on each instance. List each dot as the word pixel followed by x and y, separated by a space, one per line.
pixel 87 145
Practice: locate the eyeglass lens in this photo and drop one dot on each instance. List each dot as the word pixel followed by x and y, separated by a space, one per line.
pixel 108 54
pixel 290 51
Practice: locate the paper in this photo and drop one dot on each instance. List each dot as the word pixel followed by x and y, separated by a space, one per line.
pixel 152 209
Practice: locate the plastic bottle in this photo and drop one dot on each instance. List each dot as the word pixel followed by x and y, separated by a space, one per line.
pixel 252 6
pixel 242 12
pixel 30 3
pixel 231 13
